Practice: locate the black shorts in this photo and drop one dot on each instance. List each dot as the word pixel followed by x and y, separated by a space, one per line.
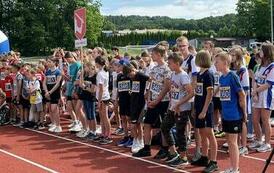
pixel 154 115
pixel 54 98
pixel 207 121
pixel 124 108
pixel 25 103
pixel 217 103
pixel 234 126
pixel 136 113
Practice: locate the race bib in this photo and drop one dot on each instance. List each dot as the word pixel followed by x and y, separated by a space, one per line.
pixel 199 89
pixel 225 94
pixel 156 87
pixel 260 80
pixel 51 79
pixel 216 79
pixel 123 86
pixel 135 87
pixel 8 87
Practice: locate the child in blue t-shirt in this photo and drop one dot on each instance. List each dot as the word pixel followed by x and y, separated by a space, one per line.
pixel 233 101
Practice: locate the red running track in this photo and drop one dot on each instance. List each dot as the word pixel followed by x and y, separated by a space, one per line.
pixel 65 153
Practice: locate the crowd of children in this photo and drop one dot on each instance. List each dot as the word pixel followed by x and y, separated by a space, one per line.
pixel 210 93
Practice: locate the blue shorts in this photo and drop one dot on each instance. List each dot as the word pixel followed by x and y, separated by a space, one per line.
pixel 89 108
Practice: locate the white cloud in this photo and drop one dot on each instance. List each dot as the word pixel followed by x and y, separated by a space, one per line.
pixel 189 9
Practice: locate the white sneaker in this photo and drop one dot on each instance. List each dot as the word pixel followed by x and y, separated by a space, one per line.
pixel 72 124
pixel 99 130
pixel 138 146
pixel 78 134
pixel 76 128
pixel 58 129
pixel 264 148
pixel 243 151
pixel 85 134
pixel 225 145
pixel 51 124
pixel 51 129
pixel 250 136
pixel 255 144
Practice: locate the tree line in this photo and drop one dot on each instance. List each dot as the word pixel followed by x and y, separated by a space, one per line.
pixel 35 27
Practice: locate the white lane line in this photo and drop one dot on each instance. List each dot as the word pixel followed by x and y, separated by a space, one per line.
pixel 111 151
pixel 28 161
pixel 221 151
pixel 246 156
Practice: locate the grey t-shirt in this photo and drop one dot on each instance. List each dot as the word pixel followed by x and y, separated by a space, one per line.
pixel 178 82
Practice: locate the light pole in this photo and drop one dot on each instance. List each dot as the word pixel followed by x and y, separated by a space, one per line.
pixel 271 8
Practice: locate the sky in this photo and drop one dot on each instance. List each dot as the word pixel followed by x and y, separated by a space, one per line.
pixel 188 9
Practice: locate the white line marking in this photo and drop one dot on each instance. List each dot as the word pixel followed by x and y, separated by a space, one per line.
pixel 108 150
pixel 249 157
pixel 28 161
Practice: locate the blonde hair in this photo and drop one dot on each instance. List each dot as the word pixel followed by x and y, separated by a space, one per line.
pixel 203 59
pixel 224 57
pixel 181 39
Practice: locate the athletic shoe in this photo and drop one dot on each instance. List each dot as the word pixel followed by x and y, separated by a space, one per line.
pixel 129 143
pixel 243 151
pixel 178 162
pixel 264 148
pixel 35 127
pixel 119 132
pixel 250 136
pixel 85 134
pixel 72 124
pixel 99 130
pixel 79 134
pixel 91 136
pixel 123 142
pixel 51 124
pixel 106 141
pixel 41 126
pixel 220 135
pixel 51 129
pixel 211 167
pixel 171 157
pixel 225 145
pixel 58 129
pixel 230 170
pixel 196 156
pixel 19 124
pixel 76 128
pixel 203 161
pixel 142 153
pixel 137 145
pixel 255 144
pixel 98 139
pixel 162 153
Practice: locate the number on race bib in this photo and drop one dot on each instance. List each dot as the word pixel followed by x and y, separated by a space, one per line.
pixel 135 87
pixel 156 87
pixel 216 79
pixel 8 87
pixel 225 94
pixel 51 79
pixel 123 86
pixel 199 89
